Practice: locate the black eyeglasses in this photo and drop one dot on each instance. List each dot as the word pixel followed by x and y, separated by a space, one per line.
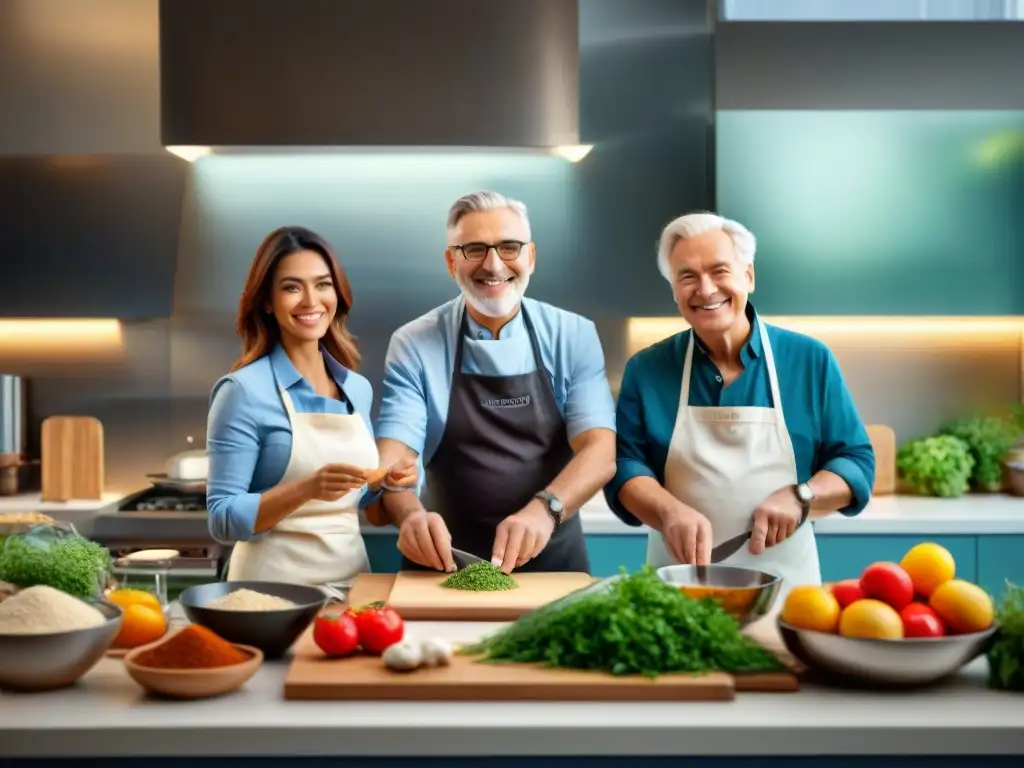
pixel 507 250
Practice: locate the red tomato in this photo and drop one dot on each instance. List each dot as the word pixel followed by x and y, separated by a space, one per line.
pixel 921 621
pixel 889 583
pixel 379 628
pixel 847 591
pixel 336 634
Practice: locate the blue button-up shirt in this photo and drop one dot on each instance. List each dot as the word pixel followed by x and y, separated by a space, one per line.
pixel 249 436
pixel 821 417
pixel 421 356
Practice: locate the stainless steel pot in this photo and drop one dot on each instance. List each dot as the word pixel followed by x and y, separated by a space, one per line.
pixel 189 466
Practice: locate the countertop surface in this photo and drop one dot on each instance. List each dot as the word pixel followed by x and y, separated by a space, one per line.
pixel 107 715
pixel 973 514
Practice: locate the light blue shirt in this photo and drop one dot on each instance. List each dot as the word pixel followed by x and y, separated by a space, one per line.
pixel 820 414
pixel 421 356
pixel 249 436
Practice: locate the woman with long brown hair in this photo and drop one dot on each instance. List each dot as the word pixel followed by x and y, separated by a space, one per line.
pixel 290 443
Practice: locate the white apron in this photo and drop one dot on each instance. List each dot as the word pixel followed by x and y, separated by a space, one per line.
pixel 320 542
pixel 724 462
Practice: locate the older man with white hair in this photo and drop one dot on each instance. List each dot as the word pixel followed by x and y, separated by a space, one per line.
pixel 507 402
pixel 733 433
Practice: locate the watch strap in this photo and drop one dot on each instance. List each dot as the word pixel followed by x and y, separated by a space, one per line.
pixel 550 503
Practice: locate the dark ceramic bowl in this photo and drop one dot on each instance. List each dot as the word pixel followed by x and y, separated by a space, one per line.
pixel 273 632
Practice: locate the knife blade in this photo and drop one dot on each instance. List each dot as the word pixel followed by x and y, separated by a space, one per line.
pixel 729 547
pixel 463 558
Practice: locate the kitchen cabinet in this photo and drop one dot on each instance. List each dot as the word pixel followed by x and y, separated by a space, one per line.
pixel 1000 559
pixel 851 209
pixel 90 236
pixel 846 556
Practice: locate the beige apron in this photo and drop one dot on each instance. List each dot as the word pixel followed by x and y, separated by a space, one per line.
pixel 319 543
pixel 724 462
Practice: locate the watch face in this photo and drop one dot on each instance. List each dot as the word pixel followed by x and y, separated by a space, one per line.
pixel 555 506
pixel 804 493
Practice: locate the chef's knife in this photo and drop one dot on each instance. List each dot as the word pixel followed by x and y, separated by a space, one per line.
pixel 729 547
pixel 463 558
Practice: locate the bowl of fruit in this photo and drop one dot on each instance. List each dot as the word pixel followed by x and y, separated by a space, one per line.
pixel 899 624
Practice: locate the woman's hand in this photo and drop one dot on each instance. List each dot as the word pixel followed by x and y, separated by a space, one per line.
pixel 402 474
pixel 332 481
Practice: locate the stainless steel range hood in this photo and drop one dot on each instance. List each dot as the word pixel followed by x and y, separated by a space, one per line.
pixel 239 75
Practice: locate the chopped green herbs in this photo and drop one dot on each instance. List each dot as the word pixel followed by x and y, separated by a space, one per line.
pixel 637 624
pixel 480 577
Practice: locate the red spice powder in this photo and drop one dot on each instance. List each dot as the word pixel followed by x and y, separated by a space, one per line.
pixel 194 647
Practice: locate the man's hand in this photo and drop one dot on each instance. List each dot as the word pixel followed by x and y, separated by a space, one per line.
pixel 687 535
pixel 522 536
pixel 424 538
pixel 775 520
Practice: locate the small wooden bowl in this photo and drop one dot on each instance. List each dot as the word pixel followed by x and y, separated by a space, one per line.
pixel 193 683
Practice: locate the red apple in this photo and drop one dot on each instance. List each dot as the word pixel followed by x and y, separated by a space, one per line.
pixel 921 621
pixel 847 591
pixel 889 583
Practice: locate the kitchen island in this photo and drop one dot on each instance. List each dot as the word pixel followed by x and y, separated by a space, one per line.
pixel 106 715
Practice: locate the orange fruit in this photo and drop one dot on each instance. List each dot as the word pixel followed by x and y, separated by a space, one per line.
pixel 929 565
pixel 811 607
pixel 871 619
pixel 140 624
pixel 126 596
pixel 963 607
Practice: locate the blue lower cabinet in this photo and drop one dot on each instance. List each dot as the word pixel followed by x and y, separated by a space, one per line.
pixel 610 552
pixel 1000 558
pixel 844 556
pixel 382 550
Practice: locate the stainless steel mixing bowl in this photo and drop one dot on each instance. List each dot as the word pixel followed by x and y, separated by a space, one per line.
pixel 746 593
pixel 54 660
pixel 884 663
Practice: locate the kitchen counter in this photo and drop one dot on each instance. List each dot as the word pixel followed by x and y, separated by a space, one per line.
pixel 33 502
pixel 107 715
pixel 973 515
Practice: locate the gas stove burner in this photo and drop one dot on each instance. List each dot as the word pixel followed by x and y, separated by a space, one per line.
pixel 169 504
pixel 162 500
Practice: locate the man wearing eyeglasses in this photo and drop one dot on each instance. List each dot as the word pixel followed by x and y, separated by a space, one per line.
pixel 506 401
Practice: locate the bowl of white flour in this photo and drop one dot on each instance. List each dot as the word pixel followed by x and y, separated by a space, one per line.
pixel 49 639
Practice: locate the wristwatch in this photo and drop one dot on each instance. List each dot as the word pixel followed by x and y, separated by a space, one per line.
pixel 805 495
pixel 553 506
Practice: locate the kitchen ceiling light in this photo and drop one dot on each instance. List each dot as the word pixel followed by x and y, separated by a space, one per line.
pixel 191 154
pixel 573 152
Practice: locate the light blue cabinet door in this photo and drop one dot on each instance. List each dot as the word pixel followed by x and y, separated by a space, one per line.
pixel 1000 558
pixel 845 557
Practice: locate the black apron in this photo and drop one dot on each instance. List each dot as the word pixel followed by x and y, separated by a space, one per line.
pixel 504 440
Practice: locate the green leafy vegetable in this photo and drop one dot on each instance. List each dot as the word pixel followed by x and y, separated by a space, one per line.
pixel 480 577
pixel 56 559
pixel 629 625
pixel 1006 654
pixel 988 438
pixel 936 466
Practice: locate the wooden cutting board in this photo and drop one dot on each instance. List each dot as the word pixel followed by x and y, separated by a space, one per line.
pixel 883 440
pixel 312 676
pixel 71 453
pixel 419 596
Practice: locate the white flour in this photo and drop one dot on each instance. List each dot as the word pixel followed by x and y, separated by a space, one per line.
pixel 39 610
pixel 249 600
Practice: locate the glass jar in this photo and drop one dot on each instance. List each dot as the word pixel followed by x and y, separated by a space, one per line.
pixel 145 570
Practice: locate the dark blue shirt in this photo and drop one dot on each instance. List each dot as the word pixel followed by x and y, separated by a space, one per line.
pixel 822 420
